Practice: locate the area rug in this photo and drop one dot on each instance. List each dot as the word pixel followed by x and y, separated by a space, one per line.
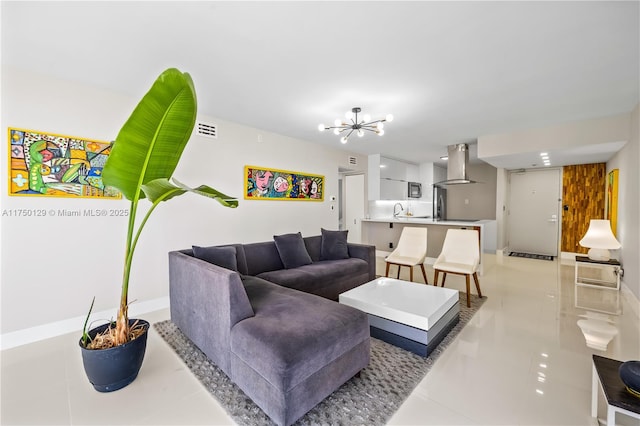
pixel 369 399
pixel 531 255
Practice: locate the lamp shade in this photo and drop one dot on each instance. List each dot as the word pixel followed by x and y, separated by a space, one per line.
pixel 599 239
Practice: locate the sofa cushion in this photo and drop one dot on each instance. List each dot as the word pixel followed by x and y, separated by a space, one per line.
pixel 292 250
pixel 326 278
pixel 334 245
pixel 224 257
pixel 294 334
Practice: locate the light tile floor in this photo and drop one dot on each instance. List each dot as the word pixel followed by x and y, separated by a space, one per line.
pixel 522 360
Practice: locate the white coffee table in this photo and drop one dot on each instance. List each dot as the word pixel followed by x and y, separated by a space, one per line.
pixel 413 316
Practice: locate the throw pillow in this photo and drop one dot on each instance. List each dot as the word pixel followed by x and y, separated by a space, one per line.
pixel 224 257
pixel 333 245
pixel 292 250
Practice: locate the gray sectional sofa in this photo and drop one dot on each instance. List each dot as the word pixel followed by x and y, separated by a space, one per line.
pixel 275 331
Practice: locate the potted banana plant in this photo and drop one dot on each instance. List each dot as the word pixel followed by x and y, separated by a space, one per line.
pixel 143 158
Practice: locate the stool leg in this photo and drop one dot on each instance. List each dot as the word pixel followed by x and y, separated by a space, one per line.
pixel 410 273
pixel 475 278
pixel 444 278
pixel 386 274
pixel 424 274
pixel 435 277
pixel 468 277
pixel 398 276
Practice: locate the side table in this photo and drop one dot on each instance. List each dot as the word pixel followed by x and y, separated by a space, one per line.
pixel 617 397
pixel 597 273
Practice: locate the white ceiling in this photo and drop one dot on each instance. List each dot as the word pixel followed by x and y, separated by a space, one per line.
pixel 449 72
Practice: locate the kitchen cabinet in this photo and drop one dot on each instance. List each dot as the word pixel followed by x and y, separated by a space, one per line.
pixel 388 178
pixel 393 189
pixel 384 233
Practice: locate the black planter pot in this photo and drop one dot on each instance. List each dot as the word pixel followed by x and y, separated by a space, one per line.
pixel 111 369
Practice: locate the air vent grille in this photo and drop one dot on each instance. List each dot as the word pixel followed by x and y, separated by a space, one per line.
pixel 353 160
pixel 208 130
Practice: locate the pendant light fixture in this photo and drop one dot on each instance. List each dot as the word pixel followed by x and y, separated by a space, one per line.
pixel 356 123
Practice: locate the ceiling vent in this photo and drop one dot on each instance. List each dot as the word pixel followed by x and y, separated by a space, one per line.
pixel 353 160
pixel 208 130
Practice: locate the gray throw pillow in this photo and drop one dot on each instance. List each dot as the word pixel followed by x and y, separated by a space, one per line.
pixel 333 245
pixel 224 257
pixel 292 250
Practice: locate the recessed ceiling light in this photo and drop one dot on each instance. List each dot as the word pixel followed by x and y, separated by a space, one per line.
pixel 542 154
pixel 444 157
pixel 382 166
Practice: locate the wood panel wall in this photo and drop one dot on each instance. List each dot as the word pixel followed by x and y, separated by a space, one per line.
pixel 583 199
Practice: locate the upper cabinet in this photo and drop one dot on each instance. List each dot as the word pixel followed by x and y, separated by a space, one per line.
pixel 388 178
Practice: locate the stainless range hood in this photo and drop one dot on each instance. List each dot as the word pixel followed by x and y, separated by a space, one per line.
pixel 457 165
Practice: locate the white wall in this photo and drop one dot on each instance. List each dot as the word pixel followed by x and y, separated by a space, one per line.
pixel 52 266
pixel 628 232
pixel 502 187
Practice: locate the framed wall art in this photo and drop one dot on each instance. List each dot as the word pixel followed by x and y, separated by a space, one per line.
pixel 52 165
pixel 264 183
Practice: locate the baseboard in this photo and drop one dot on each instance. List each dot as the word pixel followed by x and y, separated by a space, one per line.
pixel 58 328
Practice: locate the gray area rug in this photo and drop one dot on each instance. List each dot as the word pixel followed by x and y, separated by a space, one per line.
pixel 370 399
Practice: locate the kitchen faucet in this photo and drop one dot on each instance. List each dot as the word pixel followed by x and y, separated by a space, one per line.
pixel 394 209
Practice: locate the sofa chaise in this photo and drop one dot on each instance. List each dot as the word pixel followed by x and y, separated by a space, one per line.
pixel 275 331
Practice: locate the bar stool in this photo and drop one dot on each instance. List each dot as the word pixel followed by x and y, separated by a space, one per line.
pixel 411 251
pixel 460 255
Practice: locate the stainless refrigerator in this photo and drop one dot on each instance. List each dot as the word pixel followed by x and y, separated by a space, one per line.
pixel 439 203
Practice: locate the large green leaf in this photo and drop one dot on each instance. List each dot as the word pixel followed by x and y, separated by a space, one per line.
pixel 151 142
pixel 162 190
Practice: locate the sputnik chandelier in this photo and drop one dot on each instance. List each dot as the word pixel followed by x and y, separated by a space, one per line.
pixel 356 124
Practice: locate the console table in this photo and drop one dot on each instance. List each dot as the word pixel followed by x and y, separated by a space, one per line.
pixel 597 273
pixel 618 399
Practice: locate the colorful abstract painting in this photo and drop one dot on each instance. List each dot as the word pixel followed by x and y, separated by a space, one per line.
pixel 46 164
pixel 263 183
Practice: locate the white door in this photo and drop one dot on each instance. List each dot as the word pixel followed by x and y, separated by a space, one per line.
pixel 534 212
pixel 354 207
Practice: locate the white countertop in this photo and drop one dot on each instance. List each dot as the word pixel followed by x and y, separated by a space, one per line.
pixel 427 221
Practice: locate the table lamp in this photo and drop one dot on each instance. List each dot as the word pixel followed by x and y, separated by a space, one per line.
pixel 599 239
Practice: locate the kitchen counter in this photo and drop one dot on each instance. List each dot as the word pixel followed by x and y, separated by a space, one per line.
pixel 384 233
pixel 428 221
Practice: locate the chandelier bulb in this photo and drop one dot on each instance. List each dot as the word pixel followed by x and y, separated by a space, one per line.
pixel 389 117
pixel 336 131
pixel 366 118
pixel 380 132
pixel 343 139
pixel 349 115
pixel 321 127
pixel 380 126
pixel 360 133
pixel 338 122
